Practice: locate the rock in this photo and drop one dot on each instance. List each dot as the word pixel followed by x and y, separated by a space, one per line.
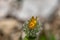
pixel 11 29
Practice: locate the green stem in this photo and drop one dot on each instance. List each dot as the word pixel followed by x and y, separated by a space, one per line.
pixel 31 38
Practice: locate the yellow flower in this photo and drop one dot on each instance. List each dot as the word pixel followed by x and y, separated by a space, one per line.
pixel 32 23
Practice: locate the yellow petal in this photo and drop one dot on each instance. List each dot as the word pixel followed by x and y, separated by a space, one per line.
pixel 33 22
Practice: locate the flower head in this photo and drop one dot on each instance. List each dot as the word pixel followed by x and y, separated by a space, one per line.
pixel 31 27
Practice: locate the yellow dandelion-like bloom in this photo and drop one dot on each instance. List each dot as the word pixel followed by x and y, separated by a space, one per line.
pixel 32 23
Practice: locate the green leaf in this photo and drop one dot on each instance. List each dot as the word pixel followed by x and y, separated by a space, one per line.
pixel 52 37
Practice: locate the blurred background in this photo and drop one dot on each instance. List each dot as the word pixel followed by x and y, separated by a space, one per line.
pixel 13 14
